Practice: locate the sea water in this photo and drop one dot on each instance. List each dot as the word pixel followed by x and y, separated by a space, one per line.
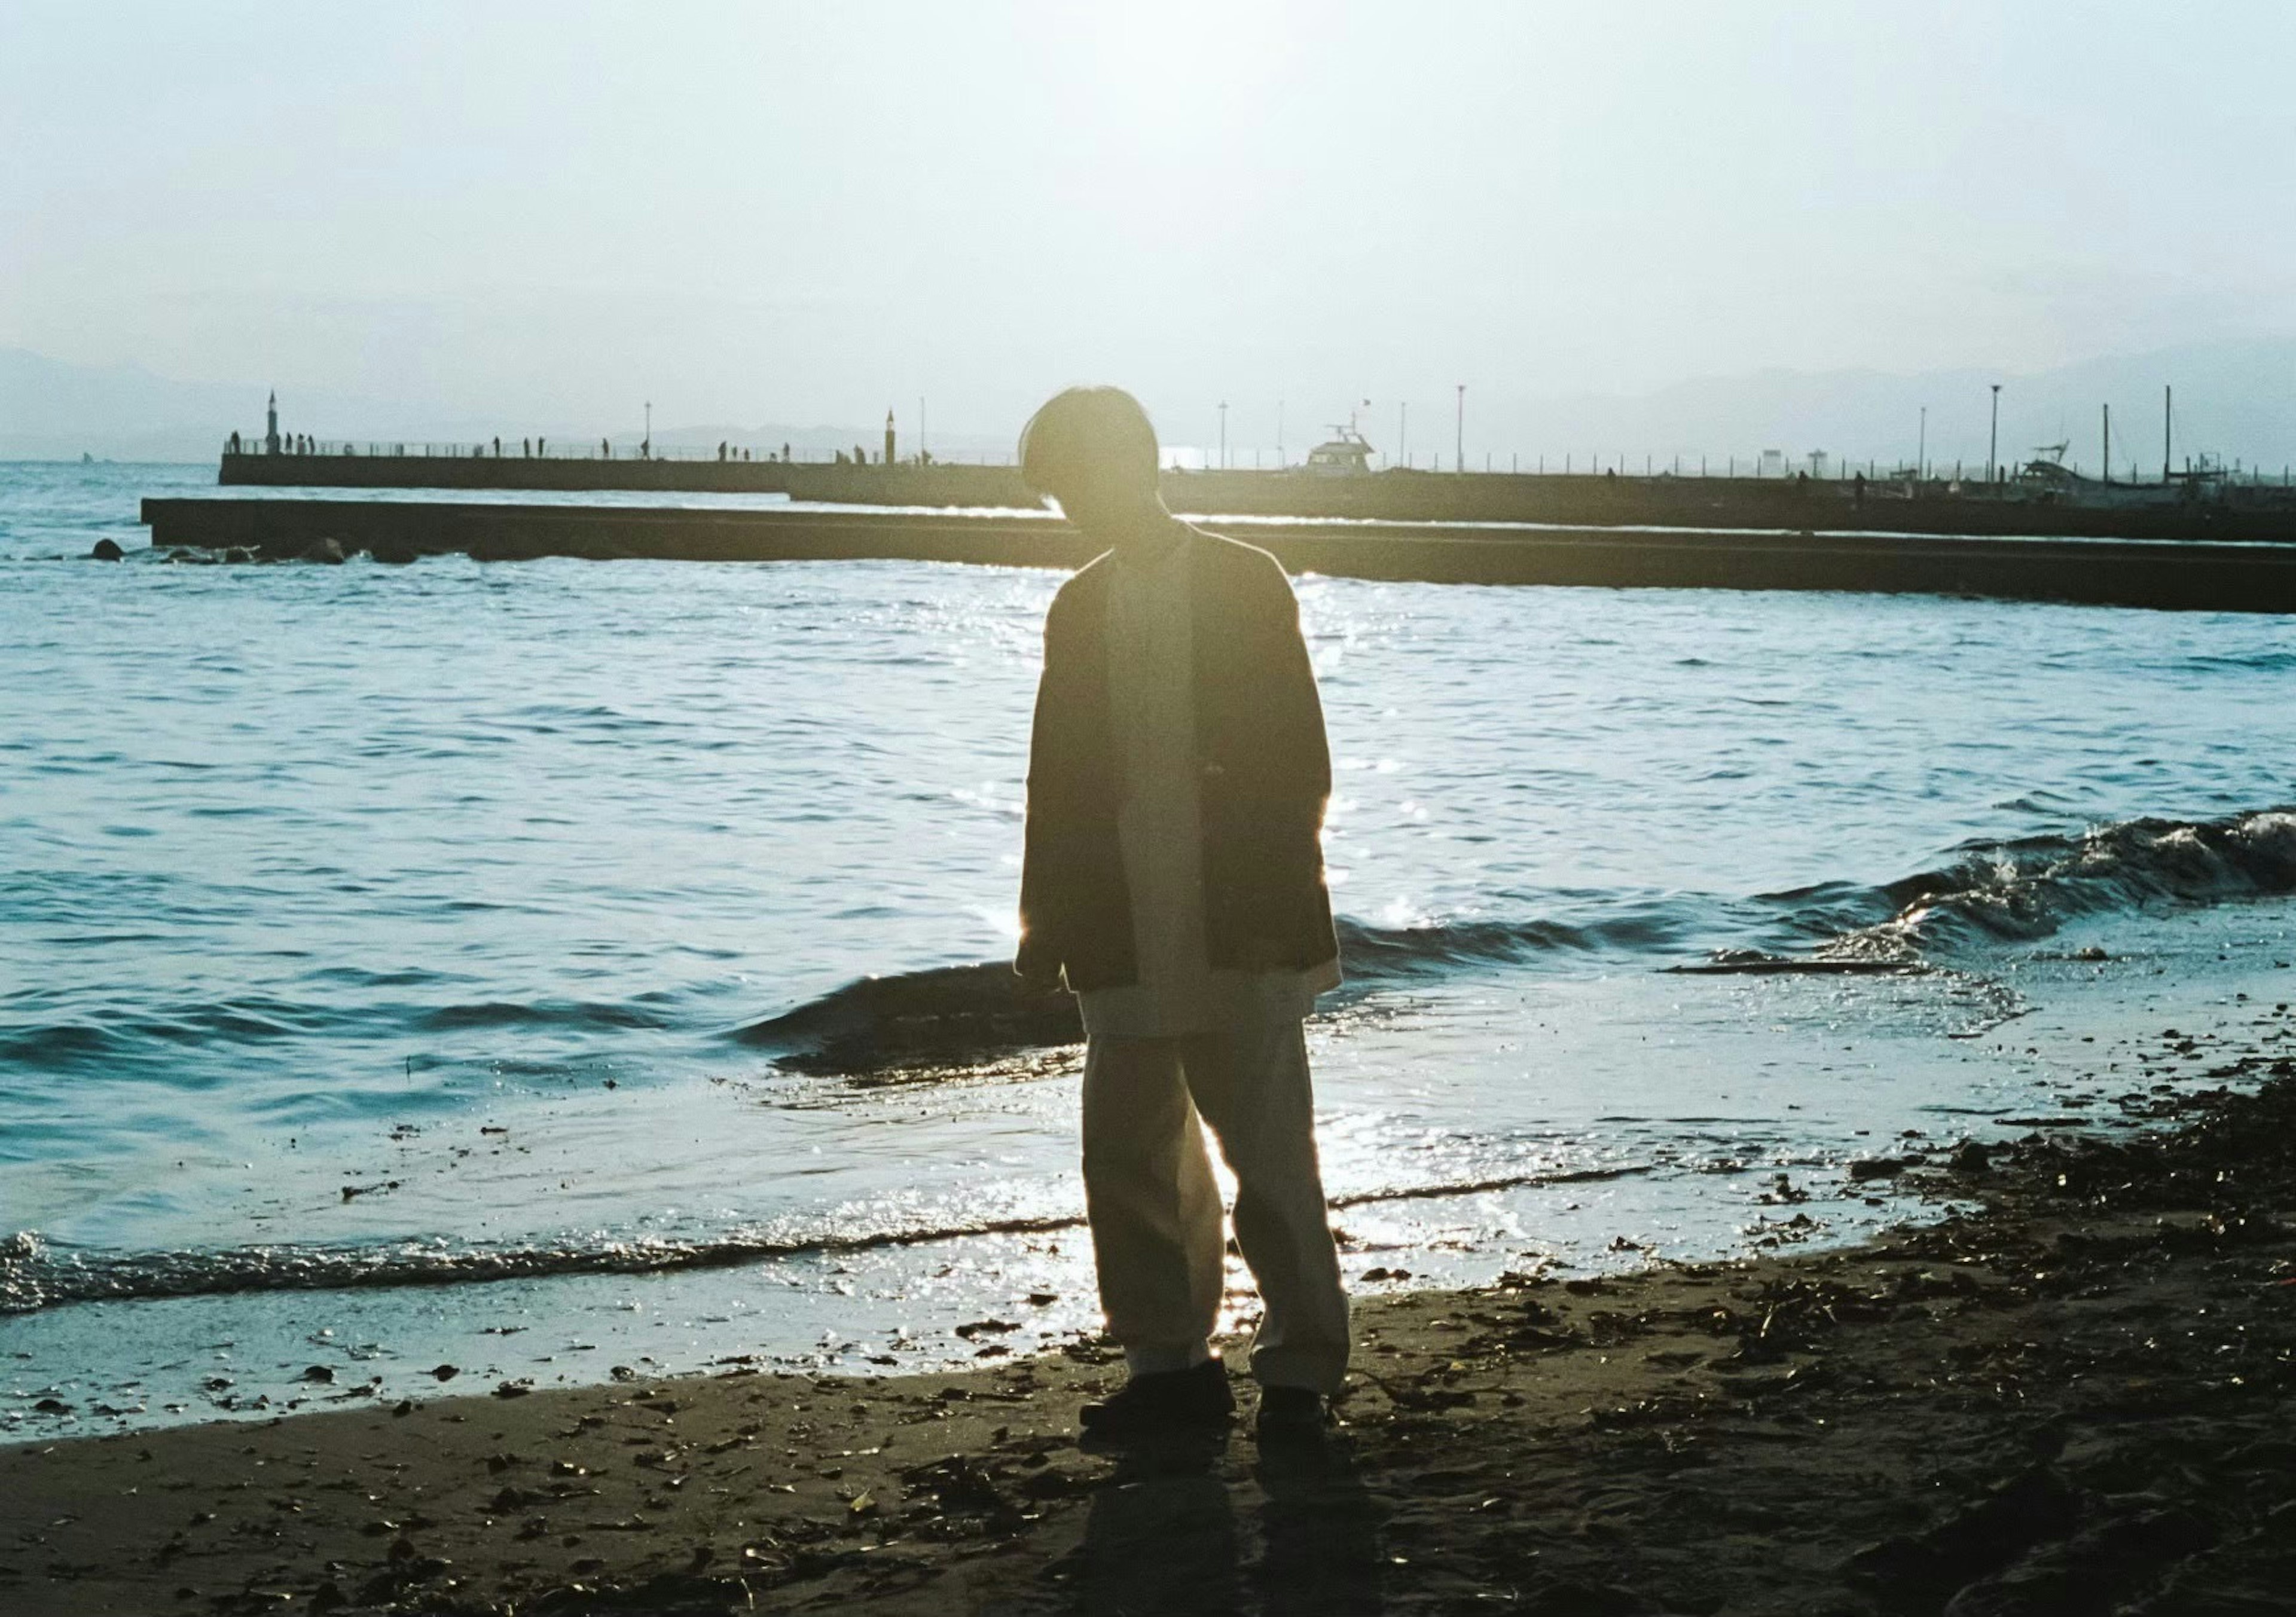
pixel 541 968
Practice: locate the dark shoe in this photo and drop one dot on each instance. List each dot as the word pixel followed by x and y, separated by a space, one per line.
pixel 1150 1404
pixel 1293 1415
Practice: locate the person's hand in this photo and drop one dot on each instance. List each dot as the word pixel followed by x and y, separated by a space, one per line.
pixel 1033 969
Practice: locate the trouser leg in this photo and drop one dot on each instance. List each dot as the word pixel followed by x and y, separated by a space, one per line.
pixel 1250 1081
pixel 1153 1204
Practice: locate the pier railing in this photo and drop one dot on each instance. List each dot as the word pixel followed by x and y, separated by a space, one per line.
pixel 1962 478
pixel 550 450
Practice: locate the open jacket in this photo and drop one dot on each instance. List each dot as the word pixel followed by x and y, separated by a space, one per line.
pixel 1266 768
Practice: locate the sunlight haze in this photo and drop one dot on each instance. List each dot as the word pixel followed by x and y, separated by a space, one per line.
pixel 749 213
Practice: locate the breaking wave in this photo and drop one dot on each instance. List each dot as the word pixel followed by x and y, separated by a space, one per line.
pixel 35 1274
pixel 1993 893
pixel 2020 891
pixel 949 1015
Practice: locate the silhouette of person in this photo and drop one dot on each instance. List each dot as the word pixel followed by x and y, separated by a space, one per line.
pixel 1173 880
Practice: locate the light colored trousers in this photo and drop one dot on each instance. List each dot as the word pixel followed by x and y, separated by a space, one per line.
pixel 1155 1210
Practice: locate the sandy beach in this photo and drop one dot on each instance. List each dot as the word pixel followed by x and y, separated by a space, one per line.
pixel 2073 1394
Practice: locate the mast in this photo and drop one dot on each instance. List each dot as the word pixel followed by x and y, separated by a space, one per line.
pixel 2108 443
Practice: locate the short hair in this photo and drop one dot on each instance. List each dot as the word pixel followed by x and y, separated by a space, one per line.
pixel 1080 432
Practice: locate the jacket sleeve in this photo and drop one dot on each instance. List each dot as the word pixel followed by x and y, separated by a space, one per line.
pixel 1036 957
pixel 1306 769
pixel 1315 746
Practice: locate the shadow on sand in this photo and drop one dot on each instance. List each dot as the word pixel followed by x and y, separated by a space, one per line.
pixel 1179 1529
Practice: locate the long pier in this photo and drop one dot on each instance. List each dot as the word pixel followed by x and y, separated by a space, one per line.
pixel 2237 577
pixel 2232 511
pixel 330 467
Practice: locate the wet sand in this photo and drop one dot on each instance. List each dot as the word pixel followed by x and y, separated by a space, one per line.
pixel 2078 1396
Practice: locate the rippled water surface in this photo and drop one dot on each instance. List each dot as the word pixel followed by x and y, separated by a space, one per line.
pixel 363 924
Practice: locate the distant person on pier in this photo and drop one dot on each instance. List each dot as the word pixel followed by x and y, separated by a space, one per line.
pixel 1173 880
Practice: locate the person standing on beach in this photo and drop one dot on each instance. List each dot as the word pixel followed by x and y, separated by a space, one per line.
pixel 1173 880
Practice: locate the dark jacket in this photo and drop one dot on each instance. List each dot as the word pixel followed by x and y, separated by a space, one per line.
pixel 1267 772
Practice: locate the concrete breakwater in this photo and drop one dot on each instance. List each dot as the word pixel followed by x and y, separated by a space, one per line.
pixel 828 481
pixel 2188 575
pixel 2240 513
pixel 567 473
pixel 2228 512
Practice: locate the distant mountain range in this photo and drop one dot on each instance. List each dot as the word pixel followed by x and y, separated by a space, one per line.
pixel 2233 398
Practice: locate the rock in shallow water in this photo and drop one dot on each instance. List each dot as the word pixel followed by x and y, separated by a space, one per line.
pixel 107 549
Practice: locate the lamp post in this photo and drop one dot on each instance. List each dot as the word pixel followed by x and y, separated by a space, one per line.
pixel 1993 438
pixel 1223 435
pixel 1459 442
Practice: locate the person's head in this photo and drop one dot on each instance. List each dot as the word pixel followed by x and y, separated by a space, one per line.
pixel 1093 449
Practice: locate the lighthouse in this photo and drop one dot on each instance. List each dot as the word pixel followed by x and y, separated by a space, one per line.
pixel 271 424
pixel 889 437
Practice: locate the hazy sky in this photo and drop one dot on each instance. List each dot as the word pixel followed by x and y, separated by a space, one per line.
pixel 753 212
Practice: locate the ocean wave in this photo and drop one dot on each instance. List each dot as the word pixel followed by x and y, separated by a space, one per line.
pixel 35 1274
pixel 545 1013
pixel 939 1015
pixel 123 1040
pixel 2020 891
pixel 948 1017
